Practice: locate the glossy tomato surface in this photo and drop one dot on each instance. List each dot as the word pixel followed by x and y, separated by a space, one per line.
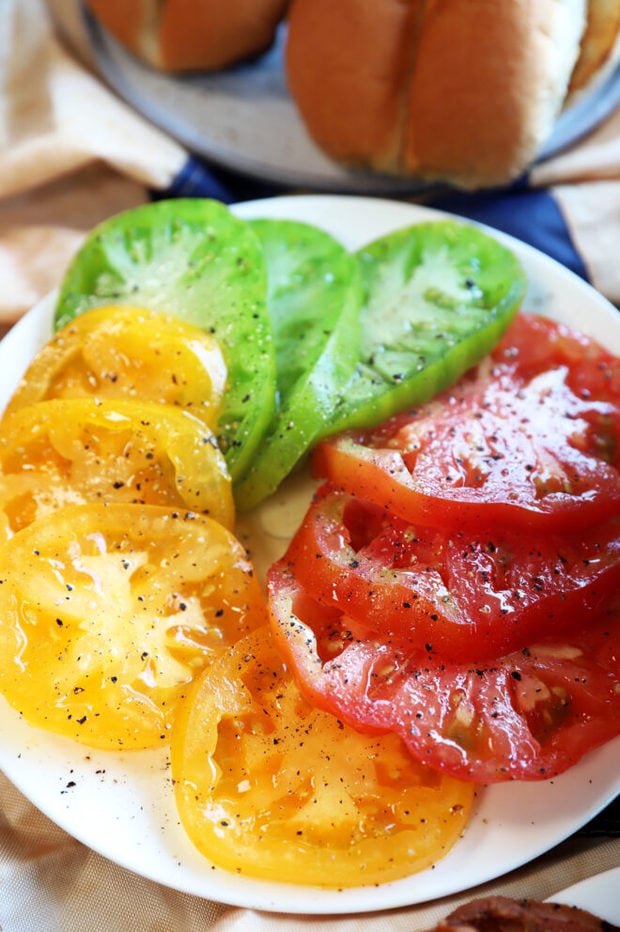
pixel 76 450
pixel 189 258
pixel 530 438
pixel 132 353
pixel 107 612
pixel 456 578
pixel 268 786
pixel 459 593
pixel 527 715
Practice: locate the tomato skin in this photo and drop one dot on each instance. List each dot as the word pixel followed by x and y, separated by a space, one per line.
pixel 107 612
pixel 528 715
pixel 193 259
pixel 463 595
pixel 533 342
pixel 79 450
pixel 314 298
pixel 519 441
pixel 132 353
pixel 438 296
pixel 494 513
pixel 268 786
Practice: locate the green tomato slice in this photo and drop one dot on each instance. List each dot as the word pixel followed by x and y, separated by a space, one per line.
pixel 438 297
pixel 193 259
pixel 314 299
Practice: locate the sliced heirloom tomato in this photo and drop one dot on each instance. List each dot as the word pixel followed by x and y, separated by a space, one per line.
pixel 193 259
pixel 314 297
pixel 128 352
pixel 78 450
pixel 107 612
pixel 527 439
pixel 268 786
pixel 528 715
pixel 437 298
pixel 458 594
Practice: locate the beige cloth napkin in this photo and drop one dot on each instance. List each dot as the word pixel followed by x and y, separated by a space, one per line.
pixel 51 883
pixel 585 181
pixel 71 154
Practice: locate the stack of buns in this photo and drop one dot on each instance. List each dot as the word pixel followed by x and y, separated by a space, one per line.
pixel 459 91
pixel 191 35
pixel 465 91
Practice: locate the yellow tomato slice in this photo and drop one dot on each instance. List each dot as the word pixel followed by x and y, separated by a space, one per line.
pixel 268 786
pixel 108 612
pixel 81 450
pixel 128 352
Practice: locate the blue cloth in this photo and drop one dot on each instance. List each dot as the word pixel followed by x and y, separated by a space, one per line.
pixel 529 214
pixel 197 179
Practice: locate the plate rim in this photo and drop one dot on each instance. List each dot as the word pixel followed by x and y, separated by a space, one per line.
pixel 579 894
pixel 280 897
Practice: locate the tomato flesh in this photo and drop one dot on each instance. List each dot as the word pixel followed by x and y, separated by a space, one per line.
pixel 527 715
pixel 129 605
pixel 456 578
pixel 77 450
pixel 128 352
pixel 520 440
pixel 189 258
pixel 463 595
pixel 267 785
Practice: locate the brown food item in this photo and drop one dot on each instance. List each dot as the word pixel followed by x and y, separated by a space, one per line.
pixel 503 914
pixel 465 91
pixel 191 35
pixel 600 45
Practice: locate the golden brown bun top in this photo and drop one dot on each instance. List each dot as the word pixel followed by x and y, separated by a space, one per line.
pixel 600 45
pixel 464 91
pixel 124 20
pixel 191 35
pixel 347 65
pixel 488 82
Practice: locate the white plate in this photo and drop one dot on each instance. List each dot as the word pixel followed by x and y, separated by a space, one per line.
pixel 121 805
pixel 600 895
pixel 243 118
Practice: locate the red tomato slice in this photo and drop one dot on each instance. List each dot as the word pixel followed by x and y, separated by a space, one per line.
pixel 465 595
pixel 529 715
pixel 535 341
pixel 527 439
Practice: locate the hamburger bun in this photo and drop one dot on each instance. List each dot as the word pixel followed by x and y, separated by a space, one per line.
pixel 458 91
pixel 191 35
pixel 600 45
